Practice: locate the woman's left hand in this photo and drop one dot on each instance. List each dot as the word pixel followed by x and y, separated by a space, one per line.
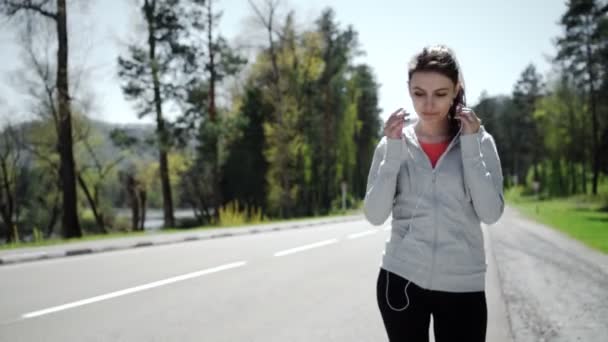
pixel 468 120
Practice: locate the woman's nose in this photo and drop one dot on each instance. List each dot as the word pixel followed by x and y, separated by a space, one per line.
pixel 428 104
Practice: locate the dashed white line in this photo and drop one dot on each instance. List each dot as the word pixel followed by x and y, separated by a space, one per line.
pixel 362 234
pixel 306 247
pixel 133 290
pixel 185 277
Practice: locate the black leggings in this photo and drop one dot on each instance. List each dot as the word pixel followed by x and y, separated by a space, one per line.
pixel 457 316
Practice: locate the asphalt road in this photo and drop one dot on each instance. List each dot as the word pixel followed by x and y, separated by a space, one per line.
pixel 244 288
pixel 309 284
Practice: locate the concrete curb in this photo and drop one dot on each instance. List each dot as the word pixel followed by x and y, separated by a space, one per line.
pixel 160 239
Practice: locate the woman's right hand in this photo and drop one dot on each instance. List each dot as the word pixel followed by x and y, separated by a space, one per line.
pixel 394 125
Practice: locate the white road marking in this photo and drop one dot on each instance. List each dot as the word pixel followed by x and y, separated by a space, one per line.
pixel 303 248
pixel 133 289
pixel 362 234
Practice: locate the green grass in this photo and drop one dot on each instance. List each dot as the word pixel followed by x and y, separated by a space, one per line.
pixel 584 218
pixel 58 241
pixel 98 237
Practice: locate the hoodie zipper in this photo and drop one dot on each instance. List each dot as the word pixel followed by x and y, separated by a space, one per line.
pixel 434 249
pixel 435 205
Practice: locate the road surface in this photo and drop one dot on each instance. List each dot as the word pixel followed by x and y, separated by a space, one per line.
pixel 310 284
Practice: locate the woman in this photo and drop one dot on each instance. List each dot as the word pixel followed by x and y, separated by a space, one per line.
pixel 440 178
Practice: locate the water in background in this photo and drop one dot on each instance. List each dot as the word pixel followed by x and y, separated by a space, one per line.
pixel 154 217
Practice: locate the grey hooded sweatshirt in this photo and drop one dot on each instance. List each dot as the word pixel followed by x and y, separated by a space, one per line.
pixel 436 239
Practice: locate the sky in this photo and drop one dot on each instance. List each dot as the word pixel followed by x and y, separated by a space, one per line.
pixel 494 40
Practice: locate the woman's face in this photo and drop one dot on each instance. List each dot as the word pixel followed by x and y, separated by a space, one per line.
pixel 432 95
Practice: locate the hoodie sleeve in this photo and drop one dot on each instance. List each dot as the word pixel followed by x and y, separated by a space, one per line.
pixel 483 175
pixel 382 180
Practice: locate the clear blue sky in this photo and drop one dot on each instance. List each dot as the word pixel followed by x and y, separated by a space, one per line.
pixel 494 41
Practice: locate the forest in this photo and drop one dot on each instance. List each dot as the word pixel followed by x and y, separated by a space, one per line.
pixel 297 123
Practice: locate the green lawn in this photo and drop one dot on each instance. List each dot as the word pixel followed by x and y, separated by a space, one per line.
pixel 581 217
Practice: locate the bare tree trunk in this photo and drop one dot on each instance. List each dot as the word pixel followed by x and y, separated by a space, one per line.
pixel 7 202
pixel 584 177
pixel 70 224
pixel 211 66
pixel 131 187
pixel 53 220
pixel 327 173
pixel 571 157
pixel 595 155
pixel 135 214
pixel 572 174
pixel 169 219
pixel 215 174
pixel 93 204
pixel 161 131
pixel 595 145
pixel 142 201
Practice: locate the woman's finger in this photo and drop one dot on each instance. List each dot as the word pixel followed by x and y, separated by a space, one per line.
pixel 397 111
pixel 470 114
pixel 460 117
pixel 396 116
pixel 466 116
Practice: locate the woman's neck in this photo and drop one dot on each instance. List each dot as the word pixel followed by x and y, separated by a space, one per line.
pixel 432 132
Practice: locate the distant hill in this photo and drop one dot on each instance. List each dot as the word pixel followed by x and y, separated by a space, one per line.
pixel 105 149
pixel 144 133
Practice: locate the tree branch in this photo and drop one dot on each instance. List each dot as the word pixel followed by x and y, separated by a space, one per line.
pixel 14 7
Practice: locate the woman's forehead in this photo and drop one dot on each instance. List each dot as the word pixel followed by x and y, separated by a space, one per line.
pixel 430 80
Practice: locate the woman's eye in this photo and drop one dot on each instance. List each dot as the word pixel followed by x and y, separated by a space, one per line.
pixel 441 95
pixel 419 94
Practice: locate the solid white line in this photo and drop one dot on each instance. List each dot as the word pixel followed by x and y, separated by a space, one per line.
pixel 303 248
pixel 133 290
pixel 362 234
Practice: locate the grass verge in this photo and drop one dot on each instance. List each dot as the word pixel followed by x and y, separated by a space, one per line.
pixel 584 218
pixel 99 237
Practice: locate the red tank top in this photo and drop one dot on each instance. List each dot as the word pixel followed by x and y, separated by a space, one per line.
pixel 434 150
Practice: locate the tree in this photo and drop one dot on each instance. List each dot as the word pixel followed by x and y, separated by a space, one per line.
pixel 150 75
pixel 58 14
pixel 528 145
pixel 245 169
pixel 212 61
pixel 94 173
pixel 497 114
pixel 368 125
pixel 581 48
pixel 44 194
pixel 11 160
pixel 135 188
pixel 280 129
pixel 562 113
pixel 338 47
pixel 323 112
